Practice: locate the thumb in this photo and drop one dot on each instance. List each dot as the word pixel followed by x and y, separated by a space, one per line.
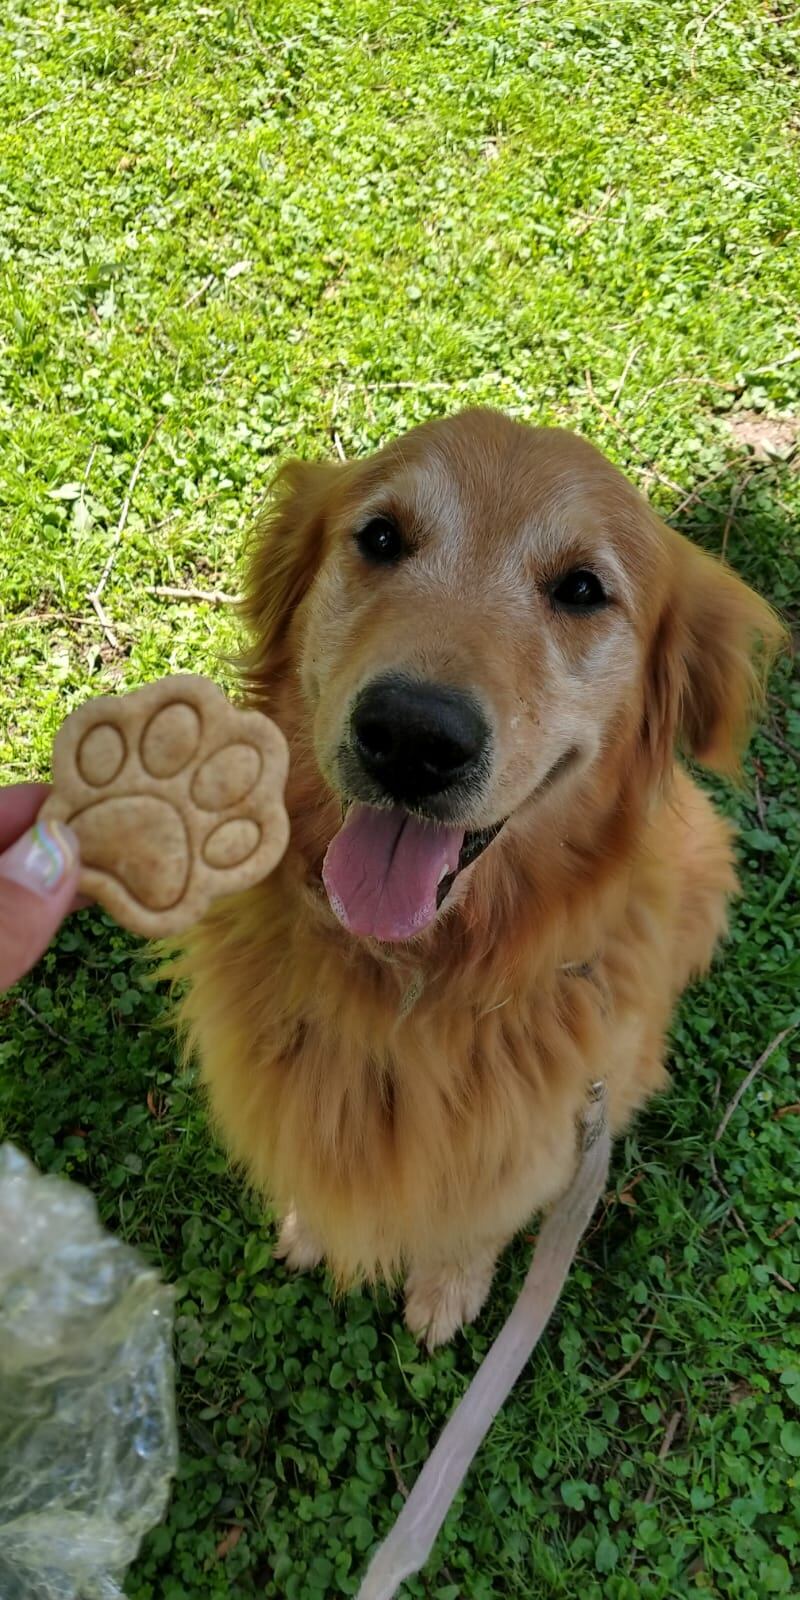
pixel 38 880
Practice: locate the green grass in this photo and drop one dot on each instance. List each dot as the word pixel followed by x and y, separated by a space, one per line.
pixel 231 232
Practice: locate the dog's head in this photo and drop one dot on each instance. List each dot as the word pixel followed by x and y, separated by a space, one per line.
pixel 481 618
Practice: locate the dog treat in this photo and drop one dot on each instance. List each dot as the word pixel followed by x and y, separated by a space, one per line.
pixel 176 797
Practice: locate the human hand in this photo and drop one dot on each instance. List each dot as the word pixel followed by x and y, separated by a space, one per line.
pixel 39 866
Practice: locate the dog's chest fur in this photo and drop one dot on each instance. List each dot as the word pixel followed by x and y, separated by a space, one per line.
pixel 404 1107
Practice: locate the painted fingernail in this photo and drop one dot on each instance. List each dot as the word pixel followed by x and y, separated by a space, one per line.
pixel 41 858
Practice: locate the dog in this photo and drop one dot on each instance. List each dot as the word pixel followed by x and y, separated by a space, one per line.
pixel 484 649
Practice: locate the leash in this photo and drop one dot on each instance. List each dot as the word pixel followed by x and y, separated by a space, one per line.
pixel 410 1541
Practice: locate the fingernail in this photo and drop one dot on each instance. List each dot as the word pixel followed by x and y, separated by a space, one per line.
pixel 41 858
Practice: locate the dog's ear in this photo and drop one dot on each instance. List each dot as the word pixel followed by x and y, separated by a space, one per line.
pixel 708 662
pixel 286 548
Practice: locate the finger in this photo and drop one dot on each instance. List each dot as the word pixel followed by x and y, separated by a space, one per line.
pixel 38 883
pixel 20 804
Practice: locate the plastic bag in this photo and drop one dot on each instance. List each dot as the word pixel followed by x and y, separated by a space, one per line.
pixel 87 1423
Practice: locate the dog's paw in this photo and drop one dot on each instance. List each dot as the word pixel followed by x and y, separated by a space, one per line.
pixel 296 1245
pixel 176 798
pixel 440 1300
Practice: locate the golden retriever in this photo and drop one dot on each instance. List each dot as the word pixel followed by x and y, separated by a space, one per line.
pixel 483 648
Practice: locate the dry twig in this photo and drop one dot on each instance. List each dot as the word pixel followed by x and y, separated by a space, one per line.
pixel 212 597
pixel 736 496
pixel 696 495
pixel 590 217
pixel 784 1282
pixel 627 1366
pixel 782 1226
pixel 95 594
pixel 39 1019
pixel 631 442
pixel 663 1452
pixel 395 1466
pixel 705 23
pixel 624 374
pixel 760 811
pixel 51 105
pixel 726 1195
pixel 199 292
pixel 90 463
pixel 748 1079
pixel 427 387
pixel 783 361
pixel 728 1113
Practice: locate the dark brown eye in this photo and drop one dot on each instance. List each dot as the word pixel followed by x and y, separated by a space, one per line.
pixel 380 540
pixel 579 590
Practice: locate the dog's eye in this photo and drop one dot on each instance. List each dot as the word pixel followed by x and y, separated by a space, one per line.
pixel 579 590
pixel 380 539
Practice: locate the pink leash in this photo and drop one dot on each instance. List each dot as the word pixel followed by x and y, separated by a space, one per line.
pixel 409 1544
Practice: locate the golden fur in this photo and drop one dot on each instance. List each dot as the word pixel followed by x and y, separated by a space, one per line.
pixel 409 1107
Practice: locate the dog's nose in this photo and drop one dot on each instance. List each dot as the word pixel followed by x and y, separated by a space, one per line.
pixel 418 739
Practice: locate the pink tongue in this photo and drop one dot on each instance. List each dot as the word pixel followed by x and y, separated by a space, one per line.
pixel 383 869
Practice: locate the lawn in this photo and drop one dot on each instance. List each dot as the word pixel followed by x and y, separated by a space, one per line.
pixel 229 232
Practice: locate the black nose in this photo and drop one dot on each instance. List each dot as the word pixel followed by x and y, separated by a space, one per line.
pixel 417 739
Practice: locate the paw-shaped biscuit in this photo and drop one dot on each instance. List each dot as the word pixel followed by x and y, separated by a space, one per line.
pixel 176 798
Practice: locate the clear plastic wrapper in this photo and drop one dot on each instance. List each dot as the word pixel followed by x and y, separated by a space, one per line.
pixel 87 1423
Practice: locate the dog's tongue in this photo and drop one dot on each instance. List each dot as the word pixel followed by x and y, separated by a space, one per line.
pixel 383 869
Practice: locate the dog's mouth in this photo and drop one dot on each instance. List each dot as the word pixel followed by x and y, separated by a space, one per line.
pixel 473 846
pixel 387 873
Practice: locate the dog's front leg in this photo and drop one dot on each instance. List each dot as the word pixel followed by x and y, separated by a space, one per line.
pixel 441 1296
pixel 297 1245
